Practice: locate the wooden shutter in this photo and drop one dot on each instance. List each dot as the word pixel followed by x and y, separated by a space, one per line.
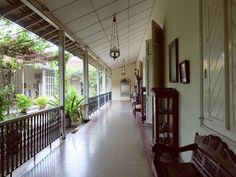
pixel 213 63
pixel 232 62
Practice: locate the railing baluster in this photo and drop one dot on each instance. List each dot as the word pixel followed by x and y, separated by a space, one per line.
pixel 21 143
pixel 28 139
pixel 47 134
pixel 17 130
pixel 22 138
pixel 102 99
pixel 37 133
pixel 35 127
pixel 25 129
pixel 7 153
pixel 45 129
pixel 12 146
pixel 2 151
pixel 31 137
pixel 40 132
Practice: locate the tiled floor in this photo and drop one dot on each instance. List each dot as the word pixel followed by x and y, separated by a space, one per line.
pixel 110 145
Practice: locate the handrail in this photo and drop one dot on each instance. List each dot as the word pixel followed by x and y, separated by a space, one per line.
pixel 5 122
pixel 99 95
pixel 23 137
pixel 98 101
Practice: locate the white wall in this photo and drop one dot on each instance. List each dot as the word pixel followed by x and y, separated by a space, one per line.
pixel 29 79
pixel 180 19
pixel 117 77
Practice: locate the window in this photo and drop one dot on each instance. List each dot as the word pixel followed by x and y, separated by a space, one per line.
pixel 50 83
pixel 219 66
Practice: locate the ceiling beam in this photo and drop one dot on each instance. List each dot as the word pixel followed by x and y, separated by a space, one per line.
pixel 39 27
pixel 79 52
pixel 29 23
pixel 8 10
pixel 75 49
pixel 18 18
pixel 68 42
pixel 73 45
pixel 51 34
pixel 55 39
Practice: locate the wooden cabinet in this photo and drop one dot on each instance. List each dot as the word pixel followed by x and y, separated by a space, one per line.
pixel 143 103
pixel 139 83
pixel 165 117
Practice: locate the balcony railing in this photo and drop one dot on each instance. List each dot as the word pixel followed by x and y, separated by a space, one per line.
pixel 98 101
pixel 22 138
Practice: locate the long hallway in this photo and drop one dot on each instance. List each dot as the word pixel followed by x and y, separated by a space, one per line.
pixel 110 145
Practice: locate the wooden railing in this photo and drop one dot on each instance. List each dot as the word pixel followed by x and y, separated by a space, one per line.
pixel 98 101
pixel 22 138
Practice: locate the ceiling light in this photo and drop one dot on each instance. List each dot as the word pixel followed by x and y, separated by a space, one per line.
pixel 114 43
pixel 123 69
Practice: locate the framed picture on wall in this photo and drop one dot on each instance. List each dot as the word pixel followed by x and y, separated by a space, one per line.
pixel 184 72
pixel 125 88
pixel 173 61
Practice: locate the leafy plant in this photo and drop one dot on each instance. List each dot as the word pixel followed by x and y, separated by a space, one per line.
pixel 23 103
pixel 54 102
pixel 4 104
pixel 74 105
pixel 42 102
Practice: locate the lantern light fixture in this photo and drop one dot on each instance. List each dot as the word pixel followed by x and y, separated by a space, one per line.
pixel 114 43
pixel 123 68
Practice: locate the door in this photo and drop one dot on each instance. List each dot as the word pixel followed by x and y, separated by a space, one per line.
pixel 154 66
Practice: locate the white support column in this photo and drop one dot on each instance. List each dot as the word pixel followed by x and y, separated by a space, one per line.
pixel 23 80
pixel 44 83
pixel 98 86
pixel 62 79
pixel 104 81
pixel 86 83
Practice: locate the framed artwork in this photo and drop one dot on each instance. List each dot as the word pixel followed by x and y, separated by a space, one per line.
pixel 184 72
pixel 125 88
pixel 173 61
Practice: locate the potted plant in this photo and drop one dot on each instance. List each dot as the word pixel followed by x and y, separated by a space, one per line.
pixel 74 106
pixel 23 103
pixel 42 102
pixel 4 104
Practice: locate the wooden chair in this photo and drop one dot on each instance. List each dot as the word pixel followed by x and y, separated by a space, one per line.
pixel 211 158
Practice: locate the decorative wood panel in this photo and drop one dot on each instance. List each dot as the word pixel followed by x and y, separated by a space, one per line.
pixel 148 61
pixel 233 71
pixel 157 53
pixel 214 62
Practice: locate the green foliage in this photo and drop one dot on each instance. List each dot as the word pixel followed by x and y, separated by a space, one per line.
pixel 74 105
pixel 55 66
pixel 17 42
pixel 92 81
pixel 42 102
pixel 14 65
pixel 54 102
pixel 23 103
pixel 4 104
pixel 11 63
